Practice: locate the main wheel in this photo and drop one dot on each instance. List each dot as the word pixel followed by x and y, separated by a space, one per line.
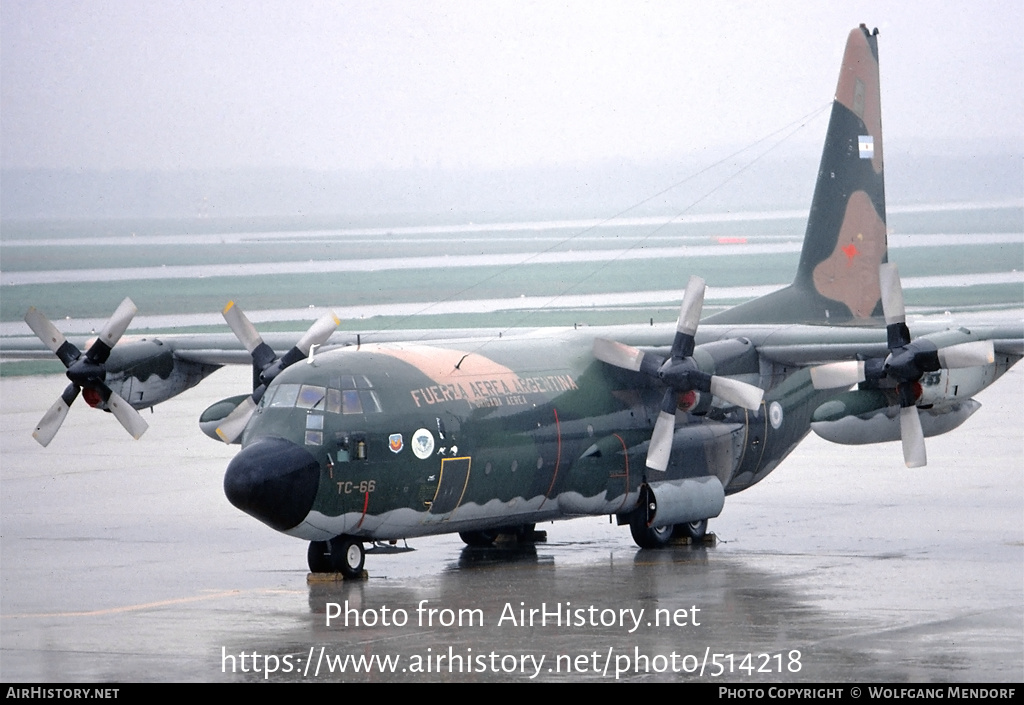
pixel 695 530
pixel 478 538
pixel 347 556
pixel 647 537
pixel 526 533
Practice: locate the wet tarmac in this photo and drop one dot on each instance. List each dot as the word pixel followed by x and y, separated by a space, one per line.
pixel 123 561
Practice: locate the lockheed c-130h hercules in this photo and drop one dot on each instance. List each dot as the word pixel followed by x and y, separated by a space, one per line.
pixel 481 435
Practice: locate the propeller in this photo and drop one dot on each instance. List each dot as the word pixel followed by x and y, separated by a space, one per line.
pixel 266 363
pixel 87 372
pixel 908 360
pixel 679 372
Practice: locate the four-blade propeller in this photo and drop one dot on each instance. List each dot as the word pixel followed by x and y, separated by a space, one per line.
pixel 908 360
pixel 266 362
pixel 679 372
pixel 87 372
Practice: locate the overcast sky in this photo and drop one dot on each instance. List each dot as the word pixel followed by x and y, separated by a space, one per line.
pixel 182 85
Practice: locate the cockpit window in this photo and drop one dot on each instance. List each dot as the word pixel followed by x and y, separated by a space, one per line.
pixel 350 403
pixel 267 396
pixel 371 405
pixel 285 396
pixel 311 397
pixel 358 397
pixel 333 401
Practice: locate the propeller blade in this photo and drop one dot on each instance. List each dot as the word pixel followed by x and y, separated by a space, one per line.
pixel 318 333
pixel 838 374
pixel 242 327
pixel 118 323
pixel 618 354
pixel 974 354
pixel 660 447
pixel 735 392
pixel 55 415
pixel 892 294
pixel 693 303
pixel 235 422
pixel 125 413
pixel 912 437
pixel 44 330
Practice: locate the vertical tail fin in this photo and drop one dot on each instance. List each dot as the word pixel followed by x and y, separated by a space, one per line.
pixel 845 242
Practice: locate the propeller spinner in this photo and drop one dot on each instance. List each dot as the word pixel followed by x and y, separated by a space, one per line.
pixel 908 360
pixel 266 362
pixel 87 372
pixel 679 372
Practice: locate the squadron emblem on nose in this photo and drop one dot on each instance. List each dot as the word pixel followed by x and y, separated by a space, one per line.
pixel 395 442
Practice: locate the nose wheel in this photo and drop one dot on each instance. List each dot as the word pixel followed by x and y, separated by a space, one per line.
pixel 342 554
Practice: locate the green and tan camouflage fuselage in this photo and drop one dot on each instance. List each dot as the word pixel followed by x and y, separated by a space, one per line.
pixel 412 440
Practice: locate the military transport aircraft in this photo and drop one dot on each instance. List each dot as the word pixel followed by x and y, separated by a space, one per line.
pixel 484 434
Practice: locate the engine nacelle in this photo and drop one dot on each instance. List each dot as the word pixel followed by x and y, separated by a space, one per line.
pixel 868 416
pixel 145 372
pixel 682 501
pixel 210 420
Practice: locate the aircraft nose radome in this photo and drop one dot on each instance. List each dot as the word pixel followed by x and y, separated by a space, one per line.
pixel 273 480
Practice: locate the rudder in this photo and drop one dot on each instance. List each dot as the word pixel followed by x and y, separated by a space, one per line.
pixel 845 241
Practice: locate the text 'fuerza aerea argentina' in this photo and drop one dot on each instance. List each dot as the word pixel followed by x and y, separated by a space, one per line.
pixel 497 391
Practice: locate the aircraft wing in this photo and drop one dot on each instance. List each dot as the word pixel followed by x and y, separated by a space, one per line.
pixel 225 349
pixel 791 345
pixel 804 345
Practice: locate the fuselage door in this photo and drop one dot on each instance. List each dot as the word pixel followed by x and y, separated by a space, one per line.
pixel 451 487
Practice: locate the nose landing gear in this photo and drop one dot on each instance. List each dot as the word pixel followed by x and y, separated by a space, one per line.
pixel 342 554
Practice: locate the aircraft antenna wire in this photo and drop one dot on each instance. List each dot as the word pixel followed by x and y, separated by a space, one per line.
pixel 789 129
pixel 604 265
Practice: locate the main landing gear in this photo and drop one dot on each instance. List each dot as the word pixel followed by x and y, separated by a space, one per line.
pixel 342 554
pixel 524 533
pixel 647 537
pixel 478 539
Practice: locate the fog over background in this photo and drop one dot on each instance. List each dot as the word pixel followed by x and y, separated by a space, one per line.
pixel 461 108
